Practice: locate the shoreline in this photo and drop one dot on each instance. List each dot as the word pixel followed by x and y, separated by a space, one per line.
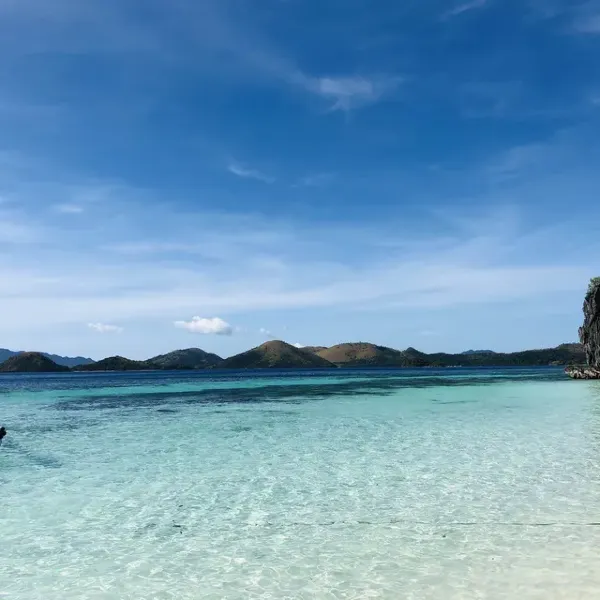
pixel 567 369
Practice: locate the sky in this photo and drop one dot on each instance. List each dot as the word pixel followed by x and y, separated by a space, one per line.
pixel 217 173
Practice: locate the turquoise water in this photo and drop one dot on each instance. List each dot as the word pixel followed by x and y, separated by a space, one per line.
pixel 455 484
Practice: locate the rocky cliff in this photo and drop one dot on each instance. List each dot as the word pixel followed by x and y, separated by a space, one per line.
pixel 589 334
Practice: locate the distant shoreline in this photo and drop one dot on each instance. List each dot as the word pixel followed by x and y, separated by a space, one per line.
pixel 280 355
pixel 76 372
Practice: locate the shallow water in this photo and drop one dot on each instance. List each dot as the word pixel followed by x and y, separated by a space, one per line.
pixel 453 484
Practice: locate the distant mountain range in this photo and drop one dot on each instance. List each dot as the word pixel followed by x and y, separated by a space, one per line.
pixel 30 362
pixel 190 359
pixel 369 355
pixel 280 355
pixel 115 363
pixel 66 361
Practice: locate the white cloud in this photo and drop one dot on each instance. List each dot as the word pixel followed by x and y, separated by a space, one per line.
pixel 213 325
pixel 247 173
pixel 105 328
pixel 299 346
pixel 463 8
pixel 69 209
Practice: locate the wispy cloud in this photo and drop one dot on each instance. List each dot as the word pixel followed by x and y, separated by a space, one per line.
pixel 463 8
pixel 266 333
pixel 105 328
pixel 249 173
pixel 349 92
pixel 343 91
pixel 589 23
pixel 315 180
pixel 213 31
pixel 299 346
pixel 244 263
pixel 582 17
pixel 206 326
pixel 16 230
pixel 69 209
pixel 516 160
pixel 463 270
pixel 558 153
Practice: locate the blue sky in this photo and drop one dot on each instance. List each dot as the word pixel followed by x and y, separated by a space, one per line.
pixel 219 172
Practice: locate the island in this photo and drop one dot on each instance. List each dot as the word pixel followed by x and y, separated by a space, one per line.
pixel 31 362
pixel 276 355
pixel 116 363
pixel 190 358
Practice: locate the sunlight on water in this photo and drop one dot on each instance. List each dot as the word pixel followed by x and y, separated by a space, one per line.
pixel 459 485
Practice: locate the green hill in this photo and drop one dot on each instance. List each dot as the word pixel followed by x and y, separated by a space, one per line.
pixel 66 361
pixel 362 354
pixel 190 358
pixel 275 355
pixel 31 362
pixel 116 363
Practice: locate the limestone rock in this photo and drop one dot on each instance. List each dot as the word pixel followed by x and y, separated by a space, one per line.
pixel 589 332
pixel 583 372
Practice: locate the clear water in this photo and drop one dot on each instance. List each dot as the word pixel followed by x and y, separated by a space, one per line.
pixel 454 484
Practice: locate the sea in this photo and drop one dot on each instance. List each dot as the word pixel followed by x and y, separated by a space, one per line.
pixel 394 484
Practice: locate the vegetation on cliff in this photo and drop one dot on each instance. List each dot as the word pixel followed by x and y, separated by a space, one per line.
pixel 593 285
pixel 589 332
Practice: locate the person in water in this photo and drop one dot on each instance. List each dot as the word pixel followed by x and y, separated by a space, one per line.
pixel 2 434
